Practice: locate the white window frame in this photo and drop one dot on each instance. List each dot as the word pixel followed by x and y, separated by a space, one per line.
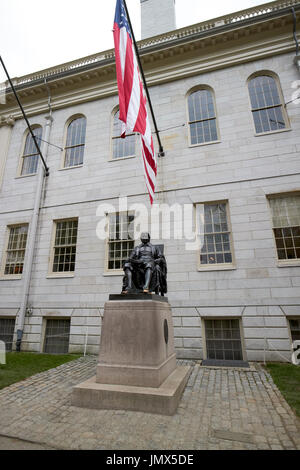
pixel 189 93
pixel 282 105
pixel 60 274
pixel 281 263
pixel 215 266
pixel 107 270
pixel 65 148
pixel 22 157
pixel 4 276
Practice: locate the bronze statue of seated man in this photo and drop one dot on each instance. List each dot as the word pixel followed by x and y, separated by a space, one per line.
pixel 145 270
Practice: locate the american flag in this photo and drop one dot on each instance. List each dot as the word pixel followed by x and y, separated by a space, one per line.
pixel 132 99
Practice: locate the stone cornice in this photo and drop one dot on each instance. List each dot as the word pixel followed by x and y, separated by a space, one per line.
pixel 164 61
pixel 7 121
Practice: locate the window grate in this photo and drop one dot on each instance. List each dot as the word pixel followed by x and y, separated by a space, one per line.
pixel 295 329
pixel 223 340
pixel 57 336
pixel 7 327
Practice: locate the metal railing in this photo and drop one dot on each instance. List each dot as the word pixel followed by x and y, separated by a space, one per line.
pixel 108 55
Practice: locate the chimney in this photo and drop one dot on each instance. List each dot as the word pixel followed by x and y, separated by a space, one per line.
pixel 158 17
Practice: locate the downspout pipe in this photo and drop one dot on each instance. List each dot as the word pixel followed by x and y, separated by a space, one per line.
pixel 295 31
pixel 297 56
pixel 31 240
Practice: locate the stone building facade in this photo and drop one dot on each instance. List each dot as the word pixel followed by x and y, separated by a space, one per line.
pixel 233 160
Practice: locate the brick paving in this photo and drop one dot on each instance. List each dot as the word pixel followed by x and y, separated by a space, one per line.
pixel 221 408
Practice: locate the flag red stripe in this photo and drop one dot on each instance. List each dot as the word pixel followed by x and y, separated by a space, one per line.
pixel 151 183
pixel 149 158
pixel 140 125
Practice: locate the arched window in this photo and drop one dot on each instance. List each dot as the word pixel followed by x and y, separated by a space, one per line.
pixel 30 157
pixel 202 117
pixel 75 142
pixel 266 104
pixel 121 147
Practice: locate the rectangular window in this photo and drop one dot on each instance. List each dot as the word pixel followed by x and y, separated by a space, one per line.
pixel 214 233
pixel 121 239
pixel 223 339
pixel 57 336
pixel 64 248
pixel 7 327
pixel 15 252
pixel 286 226
pixel 295 329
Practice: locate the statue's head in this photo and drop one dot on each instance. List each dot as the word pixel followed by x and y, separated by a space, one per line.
pixel 145 237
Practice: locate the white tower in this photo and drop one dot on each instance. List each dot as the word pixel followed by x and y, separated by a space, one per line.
pixel 158 17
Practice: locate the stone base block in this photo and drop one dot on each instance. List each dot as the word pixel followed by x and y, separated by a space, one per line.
pixel 162 400
pixel 137 342
pixel 137 376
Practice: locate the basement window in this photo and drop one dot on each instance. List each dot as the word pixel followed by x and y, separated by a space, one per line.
pixel 223 340
pixel 7 327
pixel 57 336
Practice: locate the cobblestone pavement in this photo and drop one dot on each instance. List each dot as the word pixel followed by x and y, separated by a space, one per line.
pixel 220 409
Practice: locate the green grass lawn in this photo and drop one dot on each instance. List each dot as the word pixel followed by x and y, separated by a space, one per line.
pixel 21 365
pixel 287 379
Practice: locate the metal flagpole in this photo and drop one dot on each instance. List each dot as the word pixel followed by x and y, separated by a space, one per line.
pixel 161 150
pixel 25 117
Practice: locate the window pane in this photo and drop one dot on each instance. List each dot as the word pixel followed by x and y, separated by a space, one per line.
pixel 286 215
pixel 15 252
pixel 122 147
pixel 120 242
pixel 216 240
pixel 31 155
pixel 266 104
pixel 65 246
pixel 202 117
pixel 75 142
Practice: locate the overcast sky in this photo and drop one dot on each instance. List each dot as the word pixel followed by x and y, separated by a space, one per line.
pixel 36 34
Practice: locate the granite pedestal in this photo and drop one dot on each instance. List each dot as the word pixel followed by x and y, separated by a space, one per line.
pixel 137 363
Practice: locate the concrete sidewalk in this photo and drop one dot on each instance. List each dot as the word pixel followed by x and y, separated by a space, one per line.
pixel 221 408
